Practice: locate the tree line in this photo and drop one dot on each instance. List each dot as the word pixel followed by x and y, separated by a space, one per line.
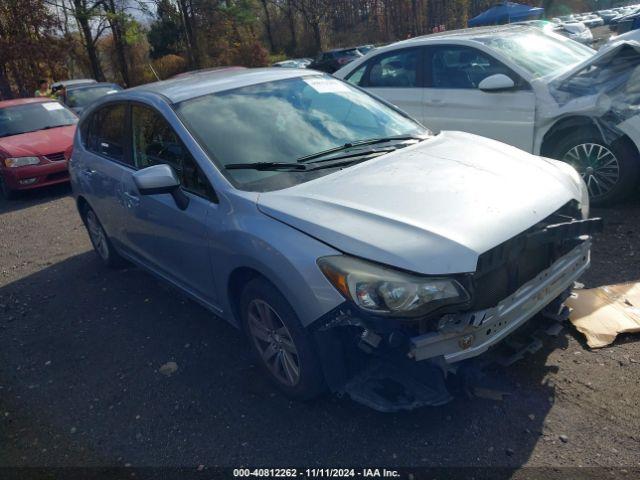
pixel 137 41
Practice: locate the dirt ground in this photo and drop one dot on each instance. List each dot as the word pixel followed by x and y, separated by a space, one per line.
pixel 81 346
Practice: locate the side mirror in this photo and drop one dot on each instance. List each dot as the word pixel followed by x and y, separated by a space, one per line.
pixel 496 82
pixel 160 179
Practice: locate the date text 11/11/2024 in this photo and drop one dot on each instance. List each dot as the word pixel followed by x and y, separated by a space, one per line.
pixel 315 473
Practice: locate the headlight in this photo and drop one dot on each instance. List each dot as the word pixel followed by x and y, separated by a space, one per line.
pixel 382 290
pixel 21 161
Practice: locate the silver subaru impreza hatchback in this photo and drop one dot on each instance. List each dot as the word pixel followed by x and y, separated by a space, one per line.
pixel 357 251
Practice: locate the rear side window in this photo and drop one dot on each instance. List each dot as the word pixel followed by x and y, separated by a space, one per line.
pixel 398 69
pixel 106 132
pixel 155 142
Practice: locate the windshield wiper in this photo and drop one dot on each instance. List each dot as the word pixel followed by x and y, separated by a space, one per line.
pixel 311 166
pixel 284 166
pixel 359 143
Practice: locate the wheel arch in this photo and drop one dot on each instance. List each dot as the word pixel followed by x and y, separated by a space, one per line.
pixel 82 204
pixel 565 124
pixel 238 279
pixel 560 127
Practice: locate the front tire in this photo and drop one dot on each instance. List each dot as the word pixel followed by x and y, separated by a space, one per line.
pixel 283 348
pixel 100 240
pixel 611 172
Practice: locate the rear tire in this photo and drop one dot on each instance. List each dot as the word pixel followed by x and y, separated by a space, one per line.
pixel 100 240
pixel 282 347
pixel 611 172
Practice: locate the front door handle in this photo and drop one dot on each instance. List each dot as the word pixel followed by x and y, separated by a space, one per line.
pixel 89 172
pixel 131 200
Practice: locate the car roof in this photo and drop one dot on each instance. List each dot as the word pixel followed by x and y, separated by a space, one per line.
pixel 24 101
pixel 76 81
pixel 178 89
pixel 83 86
pixel 472 33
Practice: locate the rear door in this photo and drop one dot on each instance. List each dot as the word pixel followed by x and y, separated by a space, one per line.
pixel 395 76
pixel 104 163
pixel 453 100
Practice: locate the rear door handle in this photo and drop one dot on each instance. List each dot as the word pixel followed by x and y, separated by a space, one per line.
pixel 131 200
pixel 88 172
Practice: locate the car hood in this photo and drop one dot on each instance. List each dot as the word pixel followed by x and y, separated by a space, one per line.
pixel 430 208
pixel 38 143
pixel 602 57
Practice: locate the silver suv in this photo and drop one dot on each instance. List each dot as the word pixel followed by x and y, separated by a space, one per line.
pixel 352 246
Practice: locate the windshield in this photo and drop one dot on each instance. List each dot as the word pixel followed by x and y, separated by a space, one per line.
pixel 286 120
pixel 34 116
pixel 81 97
pixel 538 53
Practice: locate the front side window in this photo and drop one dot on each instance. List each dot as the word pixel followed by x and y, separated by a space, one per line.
pixel 285 120
pixel 397 70
pixel 106 133
pixel 460 67
pixel 155 143
pixel 32 117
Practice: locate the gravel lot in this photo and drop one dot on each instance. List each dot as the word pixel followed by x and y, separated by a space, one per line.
pixel 81 346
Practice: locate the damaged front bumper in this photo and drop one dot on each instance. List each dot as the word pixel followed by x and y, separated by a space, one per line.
pixel 467 335
pixel 389 369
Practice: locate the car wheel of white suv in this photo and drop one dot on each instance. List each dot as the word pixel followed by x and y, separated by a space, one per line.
pixel 282 346
pixel 610 171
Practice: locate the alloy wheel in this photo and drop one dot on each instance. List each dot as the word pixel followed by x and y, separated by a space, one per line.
pixel 273 342
pixel 598 166
pixel 98 237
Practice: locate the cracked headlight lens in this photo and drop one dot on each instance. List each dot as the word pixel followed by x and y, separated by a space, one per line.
pixel 379 289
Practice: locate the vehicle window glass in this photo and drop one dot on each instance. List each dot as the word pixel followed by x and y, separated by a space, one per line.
pixel 463 68
pixel 356 76
pixel 81 97
pixel 155 143
pixel 34 116
pixel 106 134
pixel 396 70
pixel 538 53
pixel 284 120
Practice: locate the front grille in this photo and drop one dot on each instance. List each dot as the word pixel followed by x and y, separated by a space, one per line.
pixel 55 157
pixel 505 268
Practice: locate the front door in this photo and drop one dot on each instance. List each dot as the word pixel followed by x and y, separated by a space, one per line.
pixel 170 240
pixel 453 100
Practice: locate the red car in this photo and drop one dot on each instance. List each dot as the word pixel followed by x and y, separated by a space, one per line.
pixel 34 135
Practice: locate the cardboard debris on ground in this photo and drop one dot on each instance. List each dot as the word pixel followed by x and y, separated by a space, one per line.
pixel 604 312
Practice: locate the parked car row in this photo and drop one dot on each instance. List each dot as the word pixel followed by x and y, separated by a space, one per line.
pixel 36 134
pixel 373 231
